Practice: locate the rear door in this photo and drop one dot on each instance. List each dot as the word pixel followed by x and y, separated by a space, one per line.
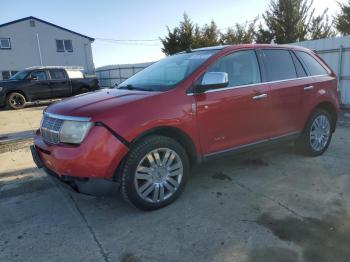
pixel 38 85
pixel 287 79
pixel 59 83
pixel 233 116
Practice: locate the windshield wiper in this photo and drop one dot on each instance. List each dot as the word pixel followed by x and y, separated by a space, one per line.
pixel 131 87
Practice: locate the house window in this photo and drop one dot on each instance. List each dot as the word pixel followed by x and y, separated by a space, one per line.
pixel 64 46
pixel 32 23
pixel 5 43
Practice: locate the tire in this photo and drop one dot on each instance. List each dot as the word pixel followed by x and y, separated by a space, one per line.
pixel 159 181
pixel 15 101
pixel 311 142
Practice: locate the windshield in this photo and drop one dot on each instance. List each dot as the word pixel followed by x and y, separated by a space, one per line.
pixel 168 72
pixel 19 75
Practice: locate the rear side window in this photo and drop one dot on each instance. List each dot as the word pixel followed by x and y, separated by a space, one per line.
pixel 242 68
pixel 311 64
pixel 57 75
pixel 278 65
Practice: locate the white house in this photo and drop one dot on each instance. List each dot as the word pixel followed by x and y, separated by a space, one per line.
pixel 31 42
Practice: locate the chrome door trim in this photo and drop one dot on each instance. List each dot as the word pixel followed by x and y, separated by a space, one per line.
pixel 255 84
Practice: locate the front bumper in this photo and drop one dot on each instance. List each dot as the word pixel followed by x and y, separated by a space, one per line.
pixel 97 157
pixel 92 187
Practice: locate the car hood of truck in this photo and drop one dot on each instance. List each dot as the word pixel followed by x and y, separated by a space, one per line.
pixel 97 103
pixel 6 83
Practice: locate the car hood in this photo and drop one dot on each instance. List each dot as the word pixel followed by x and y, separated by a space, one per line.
pixel 96 103
pixel 8 82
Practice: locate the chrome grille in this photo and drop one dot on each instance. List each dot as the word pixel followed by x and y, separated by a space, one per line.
pixel 50 129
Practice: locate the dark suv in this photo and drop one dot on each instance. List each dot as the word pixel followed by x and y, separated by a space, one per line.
pixel 187 108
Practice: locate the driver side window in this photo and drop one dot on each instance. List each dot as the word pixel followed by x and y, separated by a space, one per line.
pixel 39 75
pixel 242 68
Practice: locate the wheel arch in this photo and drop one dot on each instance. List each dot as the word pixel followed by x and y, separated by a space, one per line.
pixel 329 107
pixel 18 91
pixel 175 133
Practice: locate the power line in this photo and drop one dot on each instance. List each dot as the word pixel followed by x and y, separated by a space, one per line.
pixel 128 40
pixel 131 42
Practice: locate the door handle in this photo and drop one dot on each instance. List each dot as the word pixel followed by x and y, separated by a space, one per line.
pixel 308 88
pixel 257 97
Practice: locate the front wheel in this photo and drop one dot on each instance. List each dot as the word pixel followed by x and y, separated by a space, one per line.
pixel 154 172
pixel 15 101
pixel 318 133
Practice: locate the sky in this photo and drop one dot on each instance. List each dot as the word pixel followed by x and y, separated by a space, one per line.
pixel 137 20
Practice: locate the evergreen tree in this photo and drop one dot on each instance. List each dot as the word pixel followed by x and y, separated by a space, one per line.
pixel 263 36
pixel 180 38
pixel 287 20
pixel 240 33
pixel 320 27
pixel 342 20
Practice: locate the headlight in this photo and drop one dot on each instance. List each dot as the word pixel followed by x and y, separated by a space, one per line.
pixel 74 132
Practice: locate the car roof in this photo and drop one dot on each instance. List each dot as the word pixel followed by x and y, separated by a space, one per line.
pixel 292 47
pixel 240 46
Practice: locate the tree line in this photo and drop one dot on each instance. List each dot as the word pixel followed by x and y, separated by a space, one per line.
pixel 284 21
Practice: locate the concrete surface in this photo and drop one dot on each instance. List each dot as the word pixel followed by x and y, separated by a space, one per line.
pixel 265 206
pixel 17 127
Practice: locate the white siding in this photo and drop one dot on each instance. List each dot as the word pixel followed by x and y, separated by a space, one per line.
pixel 329 50
pixel 24 50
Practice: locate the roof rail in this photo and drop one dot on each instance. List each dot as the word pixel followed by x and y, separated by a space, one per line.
pixel 57 67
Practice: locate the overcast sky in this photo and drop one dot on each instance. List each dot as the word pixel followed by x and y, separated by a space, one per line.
pixel 133 19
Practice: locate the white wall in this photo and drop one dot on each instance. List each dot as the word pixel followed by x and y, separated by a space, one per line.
pixel 328 49
pixel 24 50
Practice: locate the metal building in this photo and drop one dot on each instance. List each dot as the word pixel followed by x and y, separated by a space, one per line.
pixel 336 52
pixel 111 75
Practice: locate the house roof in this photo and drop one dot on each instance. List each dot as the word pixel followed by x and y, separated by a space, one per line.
pixel 45 22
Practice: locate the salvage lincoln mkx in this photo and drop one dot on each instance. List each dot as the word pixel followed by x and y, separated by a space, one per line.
pixel 196 105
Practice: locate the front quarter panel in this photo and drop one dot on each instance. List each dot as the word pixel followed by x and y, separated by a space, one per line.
pixel 167 109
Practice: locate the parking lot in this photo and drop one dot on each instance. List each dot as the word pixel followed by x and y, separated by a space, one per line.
pixel 274 205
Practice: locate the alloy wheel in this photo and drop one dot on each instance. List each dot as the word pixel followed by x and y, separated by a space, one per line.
pixel 320 133
pixel 158 175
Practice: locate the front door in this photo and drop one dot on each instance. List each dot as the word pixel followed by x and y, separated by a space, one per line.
pixel 38 86
pixel 234 116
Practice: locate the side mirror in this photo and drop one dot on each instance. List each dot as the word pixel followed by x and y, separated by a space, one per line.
pixel 212 80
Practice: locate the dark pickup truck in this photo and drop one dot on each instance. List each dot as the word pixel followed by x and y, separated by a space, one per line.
pixel 31 85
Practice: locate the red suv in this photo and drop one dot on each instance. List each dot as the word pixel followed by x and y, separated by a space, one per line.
pixel 193 106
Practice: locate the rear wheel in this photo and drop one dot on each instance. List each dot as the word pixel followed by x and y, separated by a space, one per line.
pixel 15 101
pixel 154 173
pixel 318 133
